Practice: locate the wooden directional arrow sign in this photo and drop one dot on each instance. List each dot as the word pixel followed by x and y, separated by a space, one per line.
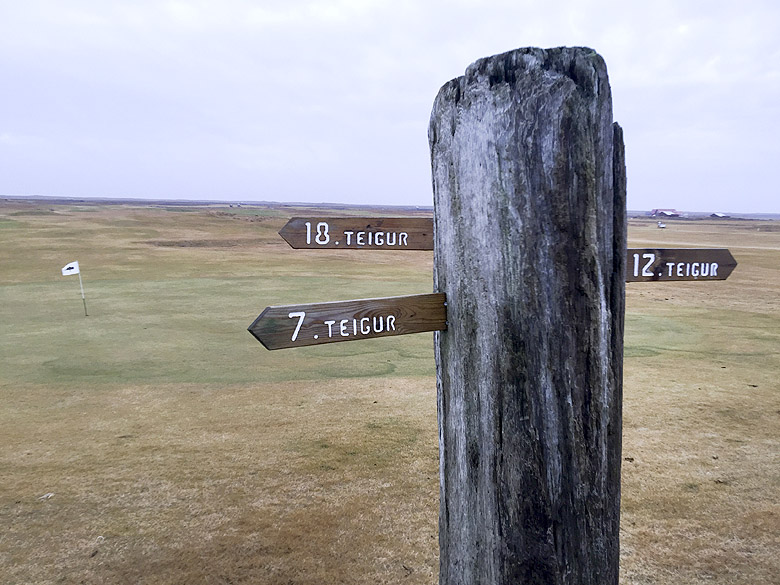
pixel 367 233
pixel 416 233
pixel 298 325
pixel 660 264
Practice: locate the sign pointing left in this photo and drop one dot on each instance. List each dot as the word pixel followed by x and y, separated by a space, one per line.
pixel 286 326
pixel 359 233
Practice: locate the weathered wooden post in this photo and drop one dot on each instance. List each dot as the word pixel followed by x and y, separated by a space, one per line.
pixel 530 248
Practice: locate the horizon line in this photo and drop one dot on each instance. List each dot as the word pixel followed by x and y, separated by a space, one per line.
pixel 158 201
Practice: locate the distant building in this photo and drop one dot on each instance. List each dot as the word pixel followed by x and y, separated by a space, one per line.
pixel 720 216
pixel 664 213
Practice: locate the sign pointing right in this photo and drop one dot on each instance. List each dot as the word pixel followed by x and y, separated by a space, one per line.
pixel 660 264
pixel 416 233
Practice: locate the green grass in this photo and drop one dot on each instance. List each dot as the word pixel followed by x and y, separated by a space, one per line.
pixel 179 450
pixel 182 330
pixel 179 313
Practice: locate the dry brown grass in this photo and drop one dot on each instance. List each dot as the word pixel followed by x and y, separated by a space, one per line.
pixel 701 443
pixel 317 482
pixel 179 451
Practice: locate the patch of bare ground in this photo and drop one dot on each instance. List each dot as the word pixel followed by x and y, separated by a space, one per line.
pixel 701 443
pixel 286 483
pixel 156 442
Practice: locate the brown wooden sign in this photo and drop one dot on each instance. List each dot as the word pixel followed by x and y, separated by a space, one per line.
pixel 672 264
pixel 366 233
pixel 299 325
pixel 416 233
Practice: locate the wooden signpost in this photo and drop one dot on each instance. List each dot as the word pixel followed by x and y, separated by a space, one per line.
pixel 376 233
pixel 662 264
pixel 313 324
pixel 289 326
pixel 416 233
pixel 531 261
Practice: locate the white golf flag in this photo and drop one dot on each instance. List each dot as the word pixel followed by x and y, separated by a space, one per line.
pixel 72 268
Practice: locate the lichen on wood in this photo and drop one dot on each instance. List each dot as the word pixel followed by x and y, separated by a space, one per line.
pixel 529 228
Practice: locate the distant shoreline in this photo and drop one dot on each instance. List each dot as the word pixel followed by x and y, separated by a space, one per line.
pixel 55 200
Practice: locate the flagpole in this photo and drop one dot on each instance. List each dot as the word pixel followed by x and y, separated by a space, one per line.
pixel 83 298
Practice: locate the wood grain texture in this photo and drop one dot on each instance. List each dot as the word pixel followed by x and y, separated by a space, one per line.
pixel 286 326
pixel 530 249
pixel 399 233
pixel 359 233
pixel 662 264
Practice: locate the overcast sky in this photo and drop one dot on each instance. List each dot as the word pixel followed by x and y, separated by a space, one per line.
pixel 329 100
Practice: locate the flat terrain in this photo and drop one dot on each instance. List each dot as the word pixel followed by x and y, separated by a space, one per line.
pixel 156 442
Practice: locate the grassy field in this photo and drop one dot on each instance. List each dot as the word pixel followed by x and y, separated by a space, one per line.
pixel 155 441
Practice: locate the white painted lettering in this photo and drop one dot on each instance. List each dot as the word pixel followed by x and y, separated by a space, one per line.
pixel 322 236
pixel 379 238
pixel 402 239
pixel 360 239
pixel 391 240
pixel 301 315
pixel 692 269
pixel 359 326
pixel 330 327
pixel 646 271
pixel 349 236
